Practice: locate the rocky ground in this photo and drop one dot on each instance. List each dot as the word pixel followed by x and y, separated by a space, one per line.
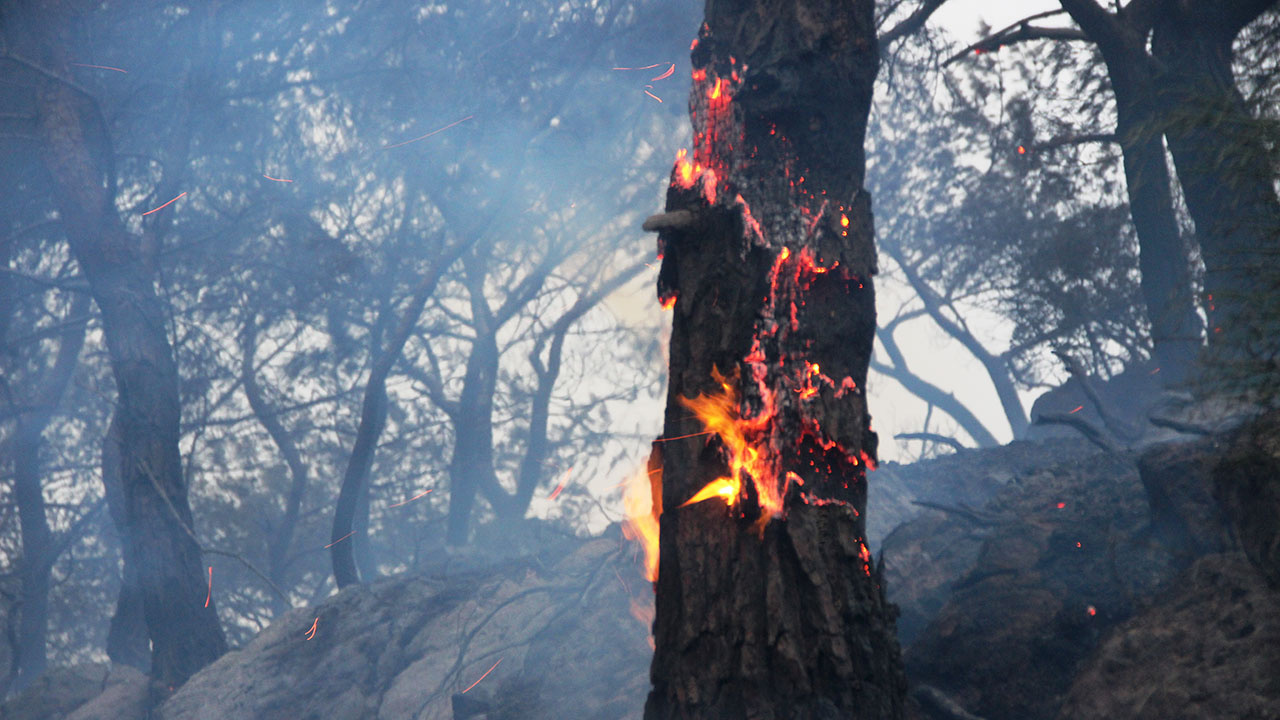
pixel 1038 580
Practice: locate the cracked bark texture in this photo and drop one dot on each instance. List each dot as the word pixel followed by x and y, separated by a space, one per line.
pixel 771 279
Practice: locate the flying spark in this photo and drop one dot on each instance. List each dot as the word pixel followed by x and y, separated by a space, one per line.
pixel 646 67
pixel 485 675
pixel 433 132
pixel 101 67
pixel 210 593
pixel 164 205
pixel 424 493
pixel 665 75
pixel 1078 409
pixel 344 537
pixel 276 179
pixel 312 632
pixel 655 97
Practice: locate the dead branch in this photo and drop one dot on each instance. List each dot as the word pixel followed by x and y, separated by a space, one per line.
pixel 1020 31
pixel 674 220
pixel 1091 432
pixel 932 437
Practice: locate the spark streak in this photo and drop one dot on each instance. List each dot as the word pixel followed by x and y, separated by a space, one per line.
pixel 1078 409
pixel 210 593
pixel 655 97
pixel 646 67
pixel 665 75
pixel 433 132
pixel 344 537
pixel 312 631
pixel 276 179
pixel 101 67
pixel 164 205
pixel 485 675
pixel 415 497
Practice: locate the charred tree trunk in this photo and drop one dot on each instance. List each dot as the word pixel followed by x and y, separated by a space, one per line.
pixel 768 605
pixel 184 631
pixel 1219 149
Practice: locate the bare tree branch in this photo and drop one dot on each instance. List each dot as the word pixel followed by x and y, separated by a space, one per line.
pixel 911 25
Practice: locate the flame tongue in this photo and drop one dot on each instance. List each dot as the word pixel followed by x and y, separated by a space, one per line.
pixel 747 440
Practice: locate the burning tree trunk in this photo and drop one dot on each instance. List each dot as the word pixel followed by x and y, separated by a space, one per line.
pixel 768 604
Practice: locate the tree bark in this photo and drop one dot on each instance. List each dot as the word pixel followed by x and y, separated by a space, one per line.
pixel 767 602
pixel 38 552
pixel 184 631
pixel 1219 150
pixel 1163 257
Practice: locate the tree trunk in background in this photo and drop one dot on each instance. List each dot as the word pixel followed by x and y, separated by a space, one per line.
pixel 127 642
pixel 767 602
pixel 38 553
pixel 1163 257
pixel 184 632
pixel 1219 149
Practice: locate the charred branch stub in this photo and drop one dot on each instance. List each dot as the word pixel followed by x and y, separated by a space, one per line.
pixel 767 601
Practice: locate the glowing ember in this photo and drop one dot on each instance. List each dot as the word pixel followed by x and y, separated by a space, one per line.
pixel 642 501
pixel 164 205
pixel 1077 409
pixel 422 494
pixel 1092 611
pixel 209 594
pixel 485 675
pixel 664 75
pixel 1061 505
pixel 311 633
pixel 669 302
pixel 433 132
pixel 276 179
pixel 655 97
pixel 1022 150
pixel 344 537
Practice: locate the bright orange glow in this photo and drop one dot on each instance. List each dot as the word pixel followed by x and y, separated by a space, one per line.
pixel 844 220
pixel 1092 611
pixel 808 392
pixel 684 169
pixel 725 488
pixel 310 633
pixel 642 513
pixel 1076 410
pixel 786 253
pixel 1022 150
pixel 669 302
pixel 715 90
pixel 1061 505
pixel 742 437
pixel 485 675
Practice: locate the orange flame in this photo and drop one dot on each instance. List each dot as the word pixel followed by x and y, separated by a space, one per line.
pixel 642 514
pixel 720 414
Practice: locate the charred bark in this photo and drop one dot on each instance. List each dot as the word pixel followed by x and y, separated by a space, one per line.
pixel 767 602
pixel 127 642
